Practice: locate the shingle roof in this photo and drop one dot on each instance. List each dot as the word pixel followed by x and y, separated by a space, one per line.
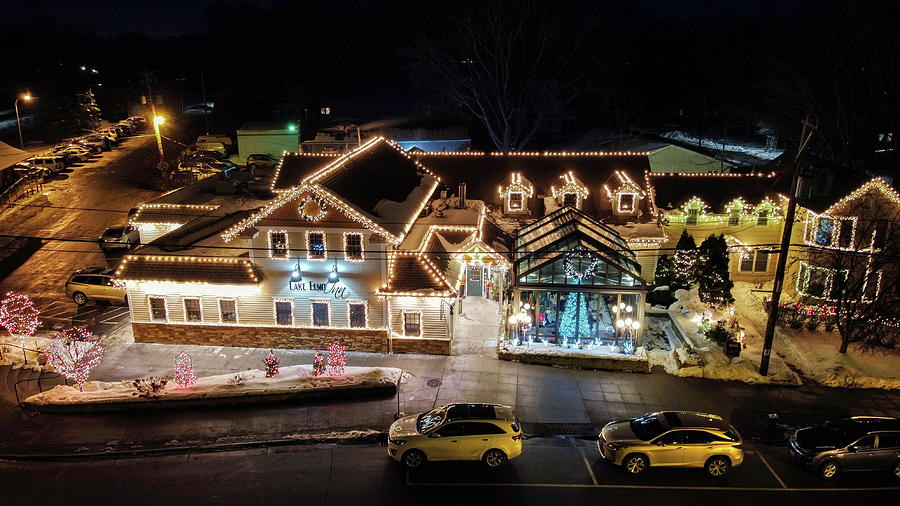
pixel 412 272
pixel 296 166
pixel 184 269
pixel 716 190
pixel 169 213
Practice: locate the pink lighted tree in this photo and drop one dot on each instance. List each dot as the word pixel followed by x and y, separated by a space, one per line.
pixel 74 353
pixel 336 359
pixel 184 371
pixel 19 316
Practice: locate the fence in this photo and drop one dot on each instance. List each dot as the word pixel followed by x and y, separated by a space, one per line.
pixel 25 185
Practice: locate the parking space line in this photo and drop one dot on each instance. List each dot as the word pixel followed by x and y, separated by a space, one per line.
pixel 766 462
pixel 652 487
pixel 588 464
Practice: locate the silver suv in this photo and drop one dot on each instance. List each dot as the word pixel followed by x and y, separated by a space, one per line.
pixel 861 443
pixel 95 284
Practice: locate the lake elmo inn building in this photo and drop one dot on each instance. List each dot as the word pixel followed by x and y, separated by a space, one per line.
pixel 378 248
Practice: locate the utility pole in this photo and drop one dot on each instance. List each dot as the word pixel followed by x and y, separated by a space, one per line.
pixel 805 135
pixel 153 119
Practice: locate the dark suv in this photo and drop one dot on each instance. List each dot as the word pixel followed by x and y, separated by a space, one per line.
pixel 860 443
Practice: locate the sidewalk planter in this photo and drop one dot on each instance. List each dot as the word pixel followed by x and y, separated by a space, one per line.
pixel 552 355
pixel 293 383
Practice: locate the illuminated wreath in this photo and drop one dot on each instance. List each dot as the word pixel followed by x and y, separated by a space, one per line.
pixel 581 254
pixel 311 209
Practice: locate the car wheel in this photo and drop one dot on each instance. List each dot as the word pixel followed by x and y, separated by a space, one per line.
pixel 80 298
pixel 494 458
pixel 829 470
pixel 635 464
pixel 414 459
pixel 896 469
pixel 717 467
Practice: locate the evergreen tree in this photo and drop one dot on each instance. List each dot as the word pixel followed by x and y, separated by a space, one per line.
pixel 574 321
pixel 685 262
pixel 712 272
pixel 86 112
pixel 665 272
pixel 271 364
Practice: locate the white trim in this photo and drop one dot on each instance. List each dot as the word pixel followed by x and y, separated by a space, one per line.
pixel 165 307
pixel 403 322
pixel 324 247
pixel 365 305
pixel 287 249
pixel 634 198
pixel 236 316
pixel 312 316
pixel 275 302
pixel 362 249
pixel 184 307
pixel 509 207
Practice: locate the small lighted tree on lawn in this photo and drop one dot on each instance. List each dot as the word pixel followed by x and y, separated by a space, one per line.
pixel 685 262
pixel 184 370
pixel 74 353
pixel 318 364
pixel 19 316
pixel 271 364
pixel 336 359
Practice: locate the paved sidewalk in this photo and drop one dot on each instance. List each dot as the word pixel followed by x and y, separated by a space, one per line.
pixel 546 400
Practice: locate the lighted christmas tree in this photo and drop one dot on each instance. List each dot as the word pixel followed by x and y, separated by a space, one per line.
pixel 271 364
pixel 73 353
pixel 712 272
pixel 665 272
pixel 336 359
pixel 685 262
pixel 19 316
pixel 318 364
pixel 184 370
pixel 574 324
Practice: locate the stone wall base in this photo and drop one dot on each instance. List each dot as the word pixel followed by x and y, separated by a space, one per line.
pixel 278 337
pixel 580 362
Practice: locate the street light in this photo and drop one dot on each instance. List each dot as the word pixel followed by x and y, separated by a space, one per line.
pixel 28 98
pixel 159 120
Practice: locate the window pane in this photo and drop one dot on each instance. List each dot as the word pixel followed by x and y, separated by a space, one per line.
pixel 320 314
pixel 283 313
pixel 278 244
pixel 411 324
pixel 357 315
pixel 747 261
pixel 192 310
pixel 354 246
pixel 158 308
pixel 825 231
pixel 515 201
pixel 762 261
pixel 846 233
pixel 881 231
pixel 762 218
pixel 734 218
pixel 569 199
pixel 228 308
pixel 316 245
pixel 888 440
pixel 626 203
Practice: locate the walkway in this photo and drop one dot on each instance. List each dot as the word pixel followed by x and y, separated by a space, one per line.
pixel 477 328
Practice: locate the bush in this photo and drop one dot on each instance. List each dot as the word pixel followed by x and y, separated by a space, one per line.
pixel 795 319
pixel 150 388
pixel 719 334
pixel 238 378
pixel 812 322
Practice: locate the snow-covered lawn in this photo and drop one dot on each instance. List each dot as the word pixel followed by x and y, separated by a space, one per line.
pixel 292 381
pixel 11 350
pixel 715 364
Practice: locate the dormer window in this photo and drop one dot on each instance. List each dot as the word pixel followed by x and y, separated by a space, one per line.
pixel 572 192
pixel 626 203
pixel 624 194
pixel 516 195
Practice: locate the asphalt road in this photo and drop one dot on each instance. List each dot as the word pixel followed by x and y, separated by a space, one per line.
pixel 79 203
pixel 555 470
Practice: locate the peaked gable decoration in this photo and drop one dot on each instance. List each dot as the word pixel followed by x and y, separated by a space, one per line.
pixel 571 187
pixel 515 195
pixel 386 207
pixel 625 194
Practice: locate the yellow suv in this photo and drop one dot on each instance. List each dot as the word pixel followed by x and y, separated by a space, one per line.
pixel 673 439
pixel 486 432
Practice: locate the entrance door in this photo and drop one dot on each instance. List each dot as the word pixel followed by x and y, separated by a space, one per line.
pixel 473 281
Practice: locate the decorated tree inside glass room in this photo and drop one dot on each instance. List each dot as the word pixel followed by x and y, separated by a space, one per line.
pixel 574 322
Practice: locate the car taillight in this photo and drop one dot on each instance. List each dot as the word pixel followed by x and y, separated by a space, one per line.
pixel 516 437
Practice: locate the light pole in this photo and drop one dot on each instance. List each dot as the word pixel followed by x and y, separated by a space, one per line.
pixel 159 120
pixel 28 98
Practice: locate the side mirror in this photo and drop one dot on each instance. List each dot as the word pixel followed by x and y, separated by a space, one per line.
pixel 434 434
pixel 660 443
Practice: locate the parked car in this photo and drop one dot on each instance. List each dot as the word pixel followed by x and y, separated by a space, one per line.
pixel 672 439
pixel 95 284
pixel 139 122
pixel 224 139
pixel 52 163
pixel 261 161
pixel 25 169
pixel 118 238
pixel 486 432
pixel 103 140
pixel 208 146
pixel 204 155
pixel 859 443
pixel 74 153
pixel 205 167
pixel 96 147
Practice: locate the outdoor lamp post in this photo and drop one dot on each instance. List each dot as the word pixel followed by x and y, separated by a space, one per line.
pixel 159 120
pixel 28 98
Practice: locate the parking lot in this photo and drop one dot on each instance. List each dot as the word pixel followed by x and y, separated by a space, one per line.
pixel 565 462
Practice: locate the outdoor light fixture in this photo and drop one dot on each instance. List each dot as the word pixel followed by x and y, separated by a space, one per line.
pixel 620 324
pixel 159 120
pixel 292 128
pixel 334 277
pixel 296 275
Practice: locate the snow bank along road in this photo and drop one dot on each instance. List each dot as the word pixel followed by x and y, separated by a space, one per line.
pixel 557 470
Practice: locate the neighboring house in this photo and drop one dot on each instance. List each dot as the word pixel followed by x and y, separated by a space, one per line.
pixel 746 208
pixel 267 138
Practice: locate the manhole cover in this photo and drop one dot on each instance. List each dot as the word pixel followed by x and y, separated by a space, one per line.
pixel 433 382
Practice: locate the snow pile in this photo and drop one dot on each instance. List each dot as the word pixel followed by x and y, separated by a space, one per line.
pixel 11 349
pixel 756 151
pixel 553 350
pixel 295 379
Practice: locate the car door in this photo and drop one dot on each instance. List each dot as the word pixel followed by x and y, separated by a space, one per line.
pixel 888 450
pixel 859 455
pixel 477 438
pixel 699 446
pixel 443 442
pixel 669 449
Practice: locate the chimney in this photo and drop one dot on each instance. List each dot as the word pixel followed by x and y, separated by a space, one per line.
pixel 462 196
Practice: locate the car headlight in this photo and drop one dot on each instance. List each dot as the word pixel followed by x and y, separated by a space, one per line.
pixel 613 446
pixel 398 442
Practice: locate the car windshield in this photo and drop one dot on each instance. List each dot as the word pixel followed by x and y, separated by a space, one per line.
pixel 430 420
pixel 114 231
pixel 647 427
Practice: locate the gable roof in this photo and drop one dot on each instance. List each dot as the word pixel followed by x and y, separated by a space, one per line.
pixel 377 185
pixel 412 273
pixel 184 269
pixel 877 184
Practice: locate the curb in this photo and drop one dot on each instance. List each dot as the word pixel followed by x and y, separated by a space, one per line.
pixel 208 448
